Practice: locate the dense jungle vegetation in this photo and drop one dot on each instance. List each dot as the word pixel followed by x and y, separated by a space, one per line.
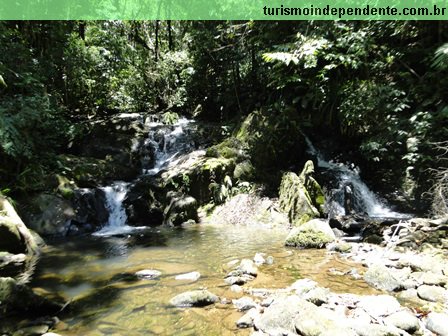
pixel 380 86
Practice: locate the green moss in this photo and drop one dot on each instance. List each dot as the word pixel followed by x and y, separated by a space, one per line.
pixel 308 239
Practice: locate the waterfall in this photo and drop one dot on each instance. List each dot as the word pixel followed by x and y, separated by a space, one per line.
pixel 116 224
pixel 348 182
pixel 165 143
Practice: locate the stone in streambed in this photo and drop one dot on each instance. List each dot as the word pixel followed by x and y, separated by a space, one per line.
pixel 148 274
pixel 247 320
pixel 382 277
pixel 432 293
pixel 403 320
pixel 313 234
pixel 192 276
pixel 196 298
pixel 245 303
pixel 437 323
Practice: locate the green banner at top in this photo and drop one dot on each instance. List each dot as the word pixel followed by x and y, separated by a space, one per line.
pixel 223 10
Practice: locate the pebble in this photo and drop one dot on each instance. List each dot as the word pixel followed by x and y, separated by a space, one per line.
pixel 192 276
pixel 148 274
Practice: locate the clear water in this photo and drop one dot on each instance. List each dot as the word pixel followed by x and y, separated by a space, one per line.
pixel 90 271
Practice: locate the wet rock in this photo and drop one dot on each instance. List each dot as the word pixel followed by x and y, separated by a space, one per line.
pixel 148 274
pixel 340 247
pixel 196 298
pixel 247 320
pixel 90 209
pixel 303 286
pixel 192 276
pixel 403 320
pixel 313 234
pixel 437 323
pixel 244 303
pixel 382 277
pixel 432 293
pixel 411 296
pixel 270 260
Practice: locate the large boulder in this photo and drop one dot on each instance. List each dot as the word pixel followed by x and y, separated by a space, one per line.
pixel 49 214
pixel 301 197
pixel 313 234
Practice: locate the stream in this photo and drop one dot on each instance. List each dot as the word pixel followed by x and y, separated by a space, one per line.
pixel 94 271
pixel 97 272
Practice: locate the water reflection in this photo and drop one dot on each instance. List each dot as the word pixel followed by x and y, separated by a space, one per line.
pixel 98 273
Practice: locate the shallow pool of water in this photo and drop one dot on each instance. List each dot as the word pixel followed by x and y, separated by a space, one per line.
pixel 92 272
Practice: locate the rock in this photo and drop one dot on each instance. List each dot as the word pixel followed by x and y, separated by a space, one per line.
pixel 437 323
pixel 192 276
pixel 18 297
pixel 432 293
pixel 148 274
pixel 32 330
pixel 51 334
pixel 244 303
pixel 312 321
pixel 429 278
pixel 403 320
pixel 238 279
pixel 382 277
pixel 244 171
pixel 303 286
pixel 300 198
pixel 278 318
pixel 50 214
pixel 369 329
pixel 318 296
pixel 247 267
pixel 247 320
pixel 196 298
pixel 181 209
pixel 259 259
pixel 313 234
pixel 410 296
pixel 16 238
pixel 379 305
pixel 90 209
pixel 236 288
pixel 270 260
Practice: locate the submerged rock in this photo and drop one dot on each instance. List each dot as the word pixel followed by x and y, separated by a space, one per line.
pixel 196 298
pixel 148 274
pixel 313 234
pixel 433 293
pixel 192 276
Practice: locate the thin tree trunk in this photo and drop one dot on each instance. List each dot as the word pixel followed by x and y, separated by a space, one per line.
pixel 170 37
pixel 156 49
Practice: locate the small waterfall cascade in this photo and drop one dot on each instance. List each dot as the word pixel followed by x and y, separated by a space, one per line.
pixel 116 224
pixel 348 190
pixel 165 143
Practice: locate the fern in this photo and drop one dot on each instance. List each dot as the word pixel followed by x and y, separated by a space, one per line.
pixel 440 59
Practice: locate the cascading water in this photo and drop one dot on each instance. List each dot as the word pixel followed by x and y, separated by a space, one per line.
pixel 348 183
pixel 165 143
pixel 116 224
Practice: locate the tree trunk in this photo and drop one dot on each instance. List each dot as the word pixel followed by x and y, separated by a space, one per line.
pixel 156 49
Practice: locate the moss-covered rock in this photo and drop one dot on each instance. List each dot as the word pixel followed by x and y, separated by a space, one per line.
pixel 301 197
pixel 313 234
